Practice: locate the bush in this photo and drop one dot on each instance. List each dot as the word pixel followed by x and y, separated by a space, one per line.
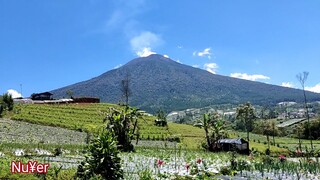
pixel 7 101
pixel 57 151
pixel 102 160
pixel 1 110
pixel 174 138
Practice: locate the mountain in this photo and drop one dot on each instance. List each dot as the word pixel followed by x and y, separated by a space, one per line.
pixel 157 83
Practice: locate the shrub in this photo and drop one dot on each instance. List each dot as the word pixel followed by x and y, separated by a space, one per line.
pixel 102 160
pixel 7 101
pixel 57 151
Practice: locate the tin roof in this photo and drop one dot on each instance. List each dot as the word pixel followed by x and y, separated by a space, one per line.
pixel 233 141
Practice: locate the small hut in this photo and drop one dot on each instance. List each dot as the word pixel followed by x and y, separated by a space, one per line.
pixel 240 145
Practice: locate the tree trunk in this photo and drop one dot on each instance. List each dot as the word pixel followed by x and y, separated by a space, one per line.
pixel 299 142
pixel 308 122
pixel 208 138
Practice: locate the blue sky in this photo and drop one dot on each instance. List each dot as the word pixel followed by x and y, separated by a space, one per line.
pixel 46 45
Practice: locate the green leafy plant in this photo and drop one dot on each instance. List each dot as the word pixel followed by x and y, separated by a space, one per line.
pixel 7 101
pixel 124 125
pixel 102 159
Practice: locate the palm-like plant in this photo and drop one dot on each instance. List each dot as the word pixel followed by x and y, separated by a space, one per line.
pixel 214 129
pixel 123 123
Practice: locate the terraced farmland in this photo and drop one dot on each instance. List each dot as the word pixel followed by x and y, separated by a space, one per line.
pixel 82 117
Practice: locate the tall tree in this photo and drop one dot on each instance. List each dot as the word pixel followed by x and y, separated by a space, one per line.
pixel 302 78
pixel 274 131
pixel 246 114
pixel 125 88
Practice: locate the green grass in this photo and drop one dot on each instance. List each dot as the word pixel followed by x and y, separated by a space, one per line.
pixel 259 141
pixel 84 117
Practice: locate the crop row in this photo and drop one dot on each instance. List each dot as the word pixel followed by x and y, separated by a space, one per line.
pixel 80 117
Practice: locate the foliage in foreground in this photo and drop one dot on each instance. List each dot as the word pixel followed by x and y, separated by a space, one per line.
pixel 102 160
pixel 124 125
pixel 6 103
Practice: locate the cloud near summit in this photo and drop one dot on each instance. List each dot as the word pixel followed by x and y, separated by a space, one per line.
pixel 211 67
pixel 252 77
pixel 143 43
pixel 204 53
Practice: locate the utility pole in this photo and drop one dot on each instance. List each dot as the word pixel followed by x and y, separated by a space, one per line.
pixel 21 90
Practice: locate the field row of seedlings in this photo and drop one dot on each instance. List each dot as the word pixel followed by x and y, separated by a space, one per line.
pixel 178 163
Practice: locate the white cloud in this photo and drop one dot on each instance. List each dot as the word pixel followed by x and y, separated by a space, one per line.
pixel 287 84
pixel 145 52
pixel 144 42
pixel 211 67
pixel 117 66
pixel 166 56
pixel 14 93
pixel 252 77
pixel 179 47
pixel 315 88
pixel 116 18
pixel 195 66
pixel 205 53
pixel 125 12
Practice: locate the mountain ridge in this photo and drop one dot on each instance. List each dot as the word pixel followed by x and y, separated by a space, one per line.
pixel 158 82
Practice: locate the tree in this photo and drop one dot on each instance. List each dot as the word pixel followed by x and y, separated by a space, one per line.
pixel 214 129
pixel 246 114
pixel 123 123
pixel 125 88
pixel 69 93
pixel 312 128
pixel 1 109
pixel 298 130
pixel 7 101
pixel 274 131
pixel 102 159
pixel 161 118
pixel 267 128
pixel 302 78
